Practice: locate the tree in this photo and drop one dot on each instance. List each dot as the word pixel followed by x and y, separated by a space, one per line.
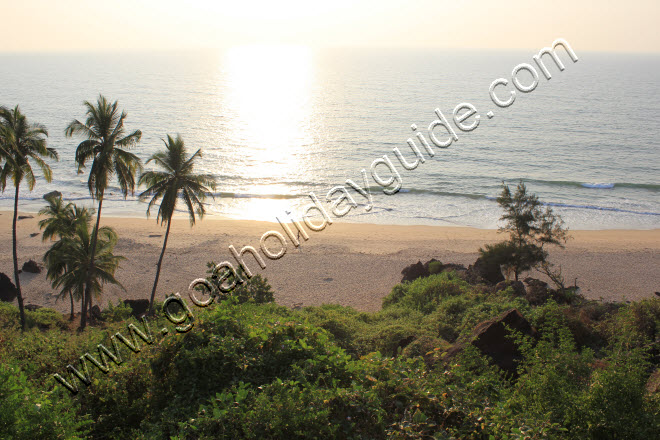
pixel 68 261
pixel 61 222
pixel 22 144
pixel 177 180
pixel 105 144
pixel 530 226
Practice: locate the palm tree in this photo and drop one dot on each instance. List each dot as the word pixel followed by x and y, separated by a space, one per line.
pixel 22 144
pixel 176 180
pixel 68 261
pixel 61 222
pixel 105 145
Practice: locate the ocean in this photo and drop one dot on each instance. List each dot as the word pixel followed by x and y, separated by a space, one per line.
pixel 278 123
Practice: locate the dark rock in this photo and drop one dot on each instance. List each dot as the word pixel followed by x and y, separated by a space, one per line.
pixel 518 287
pixel 414 271
pixel 96 312
pixel 55 194
pixel 31 266
pixel 8 291
pixel 139 306
pixel 449 267
pixel 490 272
pixel 492 338
pixel 22 217
pixel 32 307
pixel 537 291
pixel 34 234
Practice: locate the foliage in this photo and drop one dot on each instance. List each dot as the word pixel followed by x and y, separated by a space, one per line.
pixel 22 144
pixel 116 313
pixel 255 289
pixel 530 228
pixel 249 370
pixel 106 145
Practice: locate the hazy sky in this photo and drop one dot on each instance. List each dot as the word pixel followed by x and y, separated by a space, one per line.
pixel 74 25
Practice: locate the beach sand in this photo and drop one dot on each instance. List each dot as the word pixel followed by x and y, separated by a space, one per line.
pixel 349 264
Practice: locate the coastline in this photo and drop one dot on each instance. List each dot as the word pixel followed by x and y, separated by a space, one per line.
pixel 353 264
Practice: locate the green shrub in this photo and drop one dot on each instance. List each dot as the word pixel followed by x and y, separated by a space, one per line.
pixel 45 318
pixel 117 313
pixel 424 294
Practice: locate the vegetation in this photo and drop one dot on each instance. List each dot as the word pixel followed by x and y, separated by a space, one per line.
pixel 106 145
pixel 23 144
pixel 251 370
pixel 530 227
pixel 177 180
pixel 60 221
pixel 68 260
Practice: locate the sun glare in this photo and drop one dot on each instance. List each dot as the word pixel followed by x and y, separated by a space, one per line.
pixel 267 96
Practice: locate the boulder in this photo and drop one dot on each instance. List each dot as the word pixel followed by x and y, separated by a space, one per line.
pixel 96 312
pixel 537 291
pixel 52 194
pixel 139 306
pixel 517 286
pixel 31 266
pixel 492 339
pixel 414 271
pixel 8 291
pixel 32 307
pixel 23 217
pixel 489 272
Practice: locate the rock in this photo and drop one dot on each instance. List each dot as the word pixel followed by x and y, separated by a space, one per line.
pixel 55 194
pixel 8 291
pixel 518 287
pixel 537 291
pixel 453 267
pixel 31 266
pixel 490 272
pixel 139 306
pixel 491 338
pixel 34 234
pixel 22 217
pixel 414 271
pixel 96 312
pixel 32 307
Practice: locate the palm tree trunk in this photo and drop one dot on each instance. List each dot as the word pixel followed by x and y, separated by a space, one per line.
pixel 87 303
pixel 72 314
pixel 160 261
pixel 21 309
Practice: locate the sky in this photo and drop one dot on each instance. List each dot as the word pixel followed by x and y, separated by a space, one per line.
pixel 92 25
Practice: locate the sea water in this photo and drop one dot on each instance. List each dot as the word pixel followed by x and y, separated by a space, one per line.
pixel 278 123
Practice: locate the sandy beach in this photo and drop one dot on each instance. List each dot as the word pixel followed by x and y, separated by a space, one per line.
pixel 348 264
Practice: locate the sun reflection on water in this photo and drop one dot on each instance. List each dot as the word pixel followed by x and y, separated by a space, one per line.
pixel 267 100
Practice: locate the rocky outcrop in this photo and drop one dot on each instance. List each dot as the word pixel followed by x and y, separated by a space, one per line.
pixel 517 286
pixel 139 306
pixel 538 291
pixel 414 271
pixel 8 291
pixel 489 272
pixel 52 194
pixel 492 338
pixel 31 266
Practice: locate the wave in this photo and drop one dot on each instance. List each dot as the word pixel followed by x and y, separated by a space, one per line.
pixel 610 185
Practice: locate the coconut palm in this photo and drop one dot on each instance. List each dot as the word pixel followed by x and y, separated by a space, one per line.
pixel 61 222
pixel 105 145
pixel 177 180
pixel 68 261
pixel 23 144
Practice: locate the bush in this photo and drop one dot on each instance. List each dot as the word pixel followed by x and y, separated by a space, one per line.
pixel 119 313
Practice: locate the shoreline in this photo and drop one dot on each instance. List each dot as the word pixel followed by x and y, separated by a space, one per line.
pixel 353 264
